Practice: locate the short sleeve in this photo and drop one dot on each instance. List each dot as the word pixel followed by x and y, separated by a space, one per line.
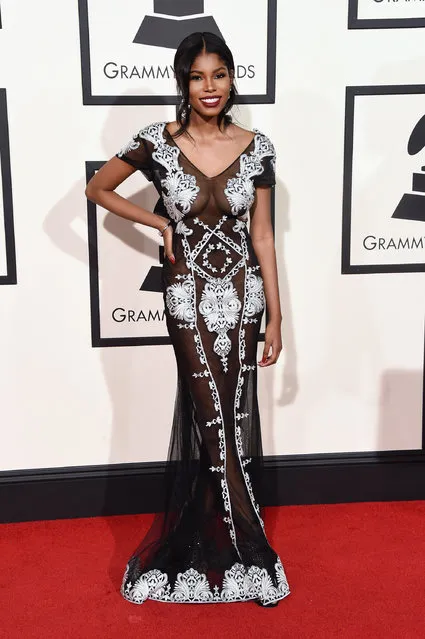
pixel 267 154
pixel 137 153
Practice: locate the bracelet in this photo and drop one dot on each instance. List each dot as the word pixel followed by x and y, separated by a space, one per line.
pixel 165 227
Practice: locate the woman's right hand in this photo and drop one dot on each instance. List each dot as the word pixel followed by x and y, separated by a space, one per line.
pixel 167 236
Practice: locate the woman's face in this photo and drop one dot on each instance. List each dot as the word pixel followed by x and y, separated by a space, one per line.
pixel 209 84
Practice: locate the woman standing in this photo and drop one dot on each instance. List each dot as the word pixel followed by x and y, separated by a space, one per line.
pixel 209 543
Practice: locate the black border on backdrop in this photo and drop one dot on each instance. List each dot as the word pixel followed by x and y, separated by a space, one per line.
pixel 10 277
pixel 97 340
pixel 34 494
pixel 354 22
pixel 89 99
pixel 31 494
pixel 351 93
pixel 109 489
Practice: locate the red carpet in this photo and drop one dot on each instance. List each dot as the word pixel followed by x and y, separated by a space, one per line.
pixel 355 570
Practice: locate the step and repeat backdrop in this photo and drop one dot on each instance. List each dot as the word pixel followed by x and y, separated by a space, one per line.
pixel 87 373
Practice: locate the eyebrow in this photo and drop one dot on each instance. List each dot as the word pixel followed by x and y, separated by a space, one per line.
pixel 202 73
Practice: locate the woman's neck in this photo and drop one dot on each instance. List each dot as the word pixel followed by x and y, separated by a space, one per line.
pixel 203 128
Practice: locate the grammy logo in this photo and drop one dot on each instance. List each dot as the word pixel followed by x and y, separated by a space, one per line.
pixel 160 31
pixel 412 205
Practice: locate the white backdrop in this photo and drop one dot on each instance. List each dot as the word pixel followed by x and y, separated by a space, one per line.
pixel 350 378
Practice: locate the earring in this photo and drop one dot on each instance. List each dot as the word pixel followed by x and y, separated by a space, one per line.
pixel 185 112
pixel 226 106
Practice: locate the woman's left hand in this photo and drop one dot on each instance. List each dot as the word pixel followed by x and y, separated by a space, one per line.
pixel 273 341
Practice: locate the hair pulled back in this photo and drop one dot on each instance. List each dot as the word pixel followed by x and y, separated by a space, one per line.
pixel 187 51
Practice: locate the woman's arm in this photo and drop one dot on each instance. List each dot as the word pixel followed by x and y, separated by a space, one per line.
pixel 261 232
pixel 101 190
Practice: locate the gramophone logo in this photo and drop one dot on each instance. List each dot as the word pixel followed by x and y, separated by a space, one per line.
pixel 174 20
pixel 128 47
pixel 383 228
pixel 412 205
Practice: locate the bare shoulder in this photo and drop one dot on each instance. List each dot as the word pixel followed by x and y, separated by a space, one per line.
pixel 241 135
pixel 172 127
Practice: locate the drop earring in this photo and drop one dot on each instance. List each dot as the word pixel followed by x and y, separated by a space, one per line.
pixel 227 106
pixel 185 112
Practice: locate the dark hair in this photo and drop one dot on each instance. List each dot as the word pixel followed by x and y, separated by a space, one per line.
pixel 187 51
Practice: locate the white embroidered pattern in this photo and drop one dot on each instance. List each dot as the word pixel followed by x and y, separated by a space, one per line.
pixel 180 300
pixel 253 303
pixel 219 303
pixel 217 469
pixel 216 247
pixel 204 373
pixel 132 145
pixel 255 300
pixel 183 229
pixel 216 420
pixel 239 224
pixel 220 308
pixel 214 395
pixel 180 188
pixel 239 584
pixel 240 190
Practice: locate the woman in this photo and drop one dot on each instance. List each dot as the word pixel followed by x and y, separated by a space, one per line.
pixel 209 543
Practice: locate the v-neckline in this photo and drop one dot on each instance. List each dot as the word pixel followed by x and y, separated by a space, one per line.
pixel 209 177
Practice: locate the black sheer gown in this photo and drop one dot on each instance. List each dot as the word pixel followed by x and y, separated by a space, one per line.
pixel 209 543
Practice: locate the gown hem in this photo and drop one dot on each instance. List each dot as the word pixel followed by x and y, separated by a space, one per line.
pixel 213 601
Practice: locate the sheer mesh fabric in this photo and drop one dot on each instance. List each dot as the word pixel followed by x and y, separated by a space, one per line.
pixel 208 544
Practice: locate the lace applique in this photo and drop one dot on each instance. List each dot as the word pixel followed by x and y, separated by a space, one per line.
pixel 180 300
pixel 183 229
pixel 253 304
pixel 239 584
pixel 216 420
pixel 239 224
pixel 204 373
pixel 255 299
pixel 219 303
pixel 216 247
pixel 191 586
pixel 228 294
pixel 131 146
pixel 180 189
pixel 220 308
pixel 240 190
